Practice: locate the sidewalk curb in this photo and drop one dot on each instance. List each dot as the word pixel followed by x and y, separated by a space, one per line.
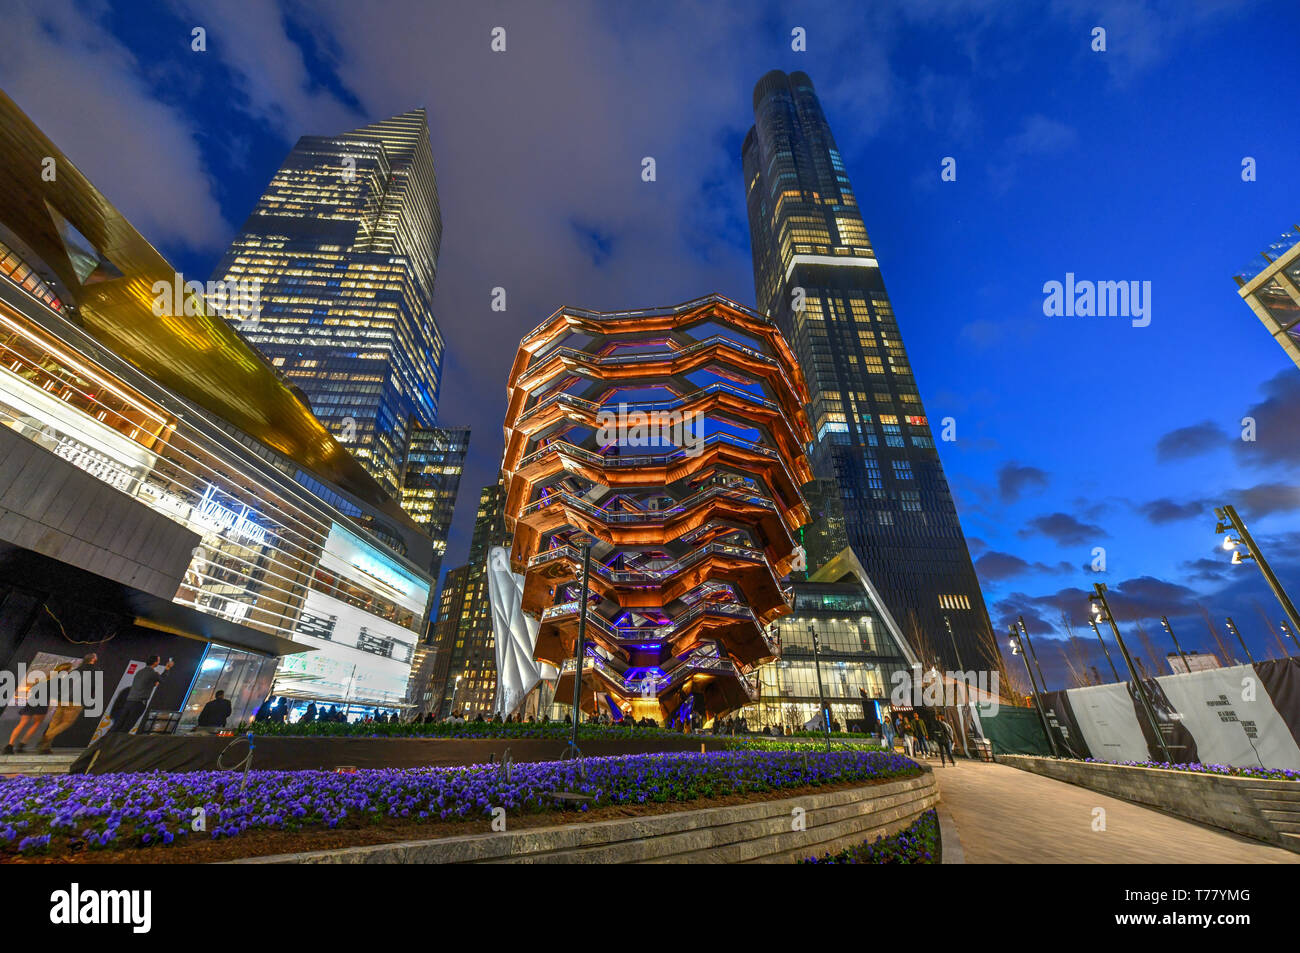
pixel 952 852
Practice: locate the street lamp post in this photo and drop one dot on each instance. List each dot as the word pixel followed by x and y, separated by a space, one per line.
pixel 1101 609
pixel 581 647
pixel 1232 627
pixel 1097 632
pixel 965 692
pixel 1018 649
pixel 1024 631
pixel 821 693
pixel 1228 519
pixel 1164 620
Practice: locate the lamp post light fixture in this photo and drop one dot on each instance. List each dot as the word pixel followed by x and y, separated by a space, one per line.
pixel 1232 627
pixel 1287 629
pixel 821 694
pixel 1101 611
pixel 1164 621
pixel 1017 648
pixel 1024 631
pixel 1229 523
pixel 1097 632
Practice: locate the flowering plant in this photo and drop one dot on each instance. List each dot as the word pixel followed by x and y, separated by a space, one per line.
pixel 917 844
pixel 158 808
pixel 1233 770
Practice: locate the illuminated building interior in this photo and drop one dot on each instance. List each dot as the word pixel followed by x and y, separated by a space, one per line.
pixel 292 547
pixel 817 275
pixel 344 242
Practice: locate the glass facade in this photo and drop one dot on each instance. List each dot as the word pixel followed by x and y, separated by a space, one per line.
pixel 244 677
pixel 295 546
pixel 464 671
pixel 816 274
pixel 435 460
pixel 272 556
pixel 1271 286
pixel 345 244
pixel 858 658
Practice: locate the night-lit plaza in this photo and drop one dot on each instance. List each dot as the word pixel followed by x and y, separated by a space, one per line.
pixel 473 434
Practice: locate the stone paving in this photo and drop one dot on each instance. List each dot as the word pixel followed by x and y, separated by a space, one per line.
pixel 1007 816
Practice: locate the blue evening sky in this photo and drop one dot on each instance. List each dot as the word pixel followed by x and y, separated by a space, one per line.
pixel 1072 432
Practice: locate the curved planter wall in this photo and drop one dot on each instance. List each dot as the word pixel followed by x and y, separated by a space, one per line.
pixel 1265 810
pixel 748 833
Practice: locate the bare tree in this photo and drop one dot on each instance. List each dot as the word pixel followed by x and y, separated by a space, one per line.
pixel 1153 653
pixel 1281 647
pixel 1224 657
pixel 1074 652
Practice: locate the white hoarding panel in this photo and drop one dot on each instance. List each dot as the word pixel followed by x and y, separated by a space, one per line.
pixel 1232 718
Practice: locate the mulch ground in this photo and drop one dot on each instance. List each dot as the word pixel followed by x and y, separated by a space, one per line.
pixel 200 848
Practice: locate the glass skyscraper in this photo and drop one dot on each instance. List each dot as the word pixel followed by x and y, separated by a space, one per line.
pixel 345 243
pixel 435 460
pixel 874 454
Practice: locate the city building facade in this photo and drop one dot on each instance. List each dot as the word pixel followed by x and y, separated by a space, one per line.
pixel 163 490
pixel 670 442
pixel 435 461
pixel 879 474
pixel 464 673
pixel 344 244
pixel 1271 286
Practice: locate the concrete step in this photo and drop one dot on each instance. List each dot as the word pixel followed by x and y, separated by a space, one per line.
pixel 1275 804
pixel 30 762
pixel 1285 825
pixel 1290 793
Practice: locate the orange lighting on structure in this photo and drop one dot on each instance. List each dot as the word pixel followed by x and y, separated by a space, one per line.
pixel 671 440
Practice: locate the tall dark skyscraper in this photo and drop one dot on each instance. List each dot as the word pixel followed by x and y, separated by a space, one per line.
pixel 345 243
pixel 816 274
pixel 464 671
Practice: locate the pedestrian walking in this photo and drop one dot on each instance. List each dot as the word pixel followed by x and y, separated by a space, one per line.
pixel 30 713
pixel 67 709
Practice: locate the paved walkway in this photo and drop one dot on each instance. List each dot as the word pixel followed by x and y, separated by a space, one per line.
pixel 1007 816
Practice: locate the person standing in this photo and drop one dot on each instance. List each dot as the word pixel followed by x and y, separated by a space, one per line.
pixel 67 710
pixel 909 739
pixel 215 713
pixel 943 734
pixel 922 736
pixel 137 698
pixel 887 732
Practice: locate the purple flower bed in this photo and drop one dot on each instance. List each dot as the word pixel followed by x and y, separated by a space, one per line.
pixel 48 812
pixel 1237 771
pixel 918 843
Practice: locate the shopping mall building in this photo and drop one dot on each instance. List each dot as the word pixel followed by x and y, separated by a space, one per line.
pixel 163 490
